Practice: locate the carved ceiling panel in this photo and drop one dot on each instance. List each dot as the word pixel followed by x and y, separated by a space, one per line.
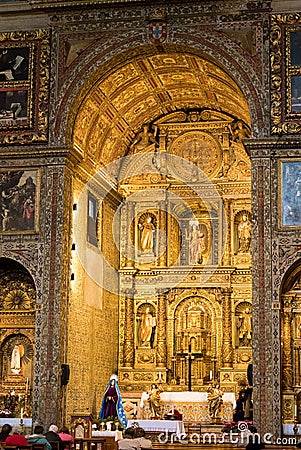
pixel 146 89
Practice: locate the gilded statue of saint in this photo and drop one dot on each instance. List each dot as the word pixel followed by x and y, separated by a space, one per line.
pixel 144 138
pixel 244 327
pixel 155 401
pixel 215 400
pixel 244 234
pixel 147 324
pixel 147 229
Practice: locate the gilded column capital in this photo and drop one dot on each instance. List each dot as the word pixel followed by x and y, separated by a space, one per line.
pixel 129 292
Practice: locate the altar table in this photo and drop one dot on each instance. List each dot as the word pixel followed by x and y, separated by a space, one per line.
pixel 192 397
pixel 116 434
pixel 165 426
pixel 192 405
pixel 27 422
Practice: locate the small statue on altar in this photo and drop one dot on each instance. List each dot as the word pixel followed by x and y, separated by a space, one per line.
pixel 215 400
pixel 155 401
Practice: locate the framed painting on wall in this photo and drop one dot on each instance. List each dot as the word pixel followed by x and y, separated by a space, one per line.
pixel 285 58
pixel 24 87
pixel 290 193
pixel 19 201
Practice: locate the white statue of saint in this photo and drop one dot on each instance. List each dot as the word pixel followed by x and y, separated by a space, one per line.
pixel 15 363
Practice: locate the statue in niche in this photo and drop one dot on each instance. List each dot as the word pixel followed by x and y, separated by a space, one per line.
pixel 146 328
pixel 244 327
pixel 16 356
pixel 244 234
pixel 197 244
pixel 144 139
pixel 147 229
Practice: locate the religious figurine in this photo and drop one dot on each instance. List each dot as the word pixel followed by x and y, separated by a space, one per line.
pixel 147 325
pixel 112 403
pixel 15 363
pixel 244 234
pixel 155 401
pixel 215 400
pixel 244 327
pixel 196 245
pixel 147 229
pixel 144 138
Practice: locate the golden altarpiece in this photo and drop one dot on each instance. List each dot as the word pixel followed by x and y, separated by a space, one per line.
pixel 185 275
pixel 17 337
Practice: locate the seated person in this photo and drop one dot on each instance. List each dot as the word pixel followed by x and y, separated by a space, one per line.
pixel 53 436
pixel 65 435
pixel 139 435
pixel 254 443
pixel 16 438
pixel 6 429
pixel 38 437
pixel 128 442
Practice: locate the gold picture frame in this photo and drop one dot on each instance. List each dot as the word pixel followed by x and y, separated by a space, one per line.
pixel 24 87
pixel 19 201
pixel 285 60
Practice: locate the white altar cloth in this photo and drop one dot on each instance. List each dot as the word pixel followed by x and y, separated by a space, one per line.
pixel 191 397
pixel 27 423
pixel 170 426
pixel 116 434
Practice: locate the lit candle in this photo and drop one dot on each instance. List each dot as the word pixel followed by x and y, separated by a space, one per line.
pixel 21 415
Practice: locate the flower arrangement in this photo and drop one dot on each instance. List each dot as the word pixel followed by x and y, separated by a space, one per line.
pixel 5 413
pixel 111 423
pixel 238 427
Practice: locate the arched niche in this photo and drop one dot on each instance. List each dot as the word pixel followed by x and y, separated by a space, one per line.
pixel 291 342
pixel 17 331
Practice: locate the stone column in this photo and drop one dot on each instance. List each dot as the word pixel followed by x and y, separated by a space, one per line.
pixel 128 349
pixel 161 350
pixel 227 349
